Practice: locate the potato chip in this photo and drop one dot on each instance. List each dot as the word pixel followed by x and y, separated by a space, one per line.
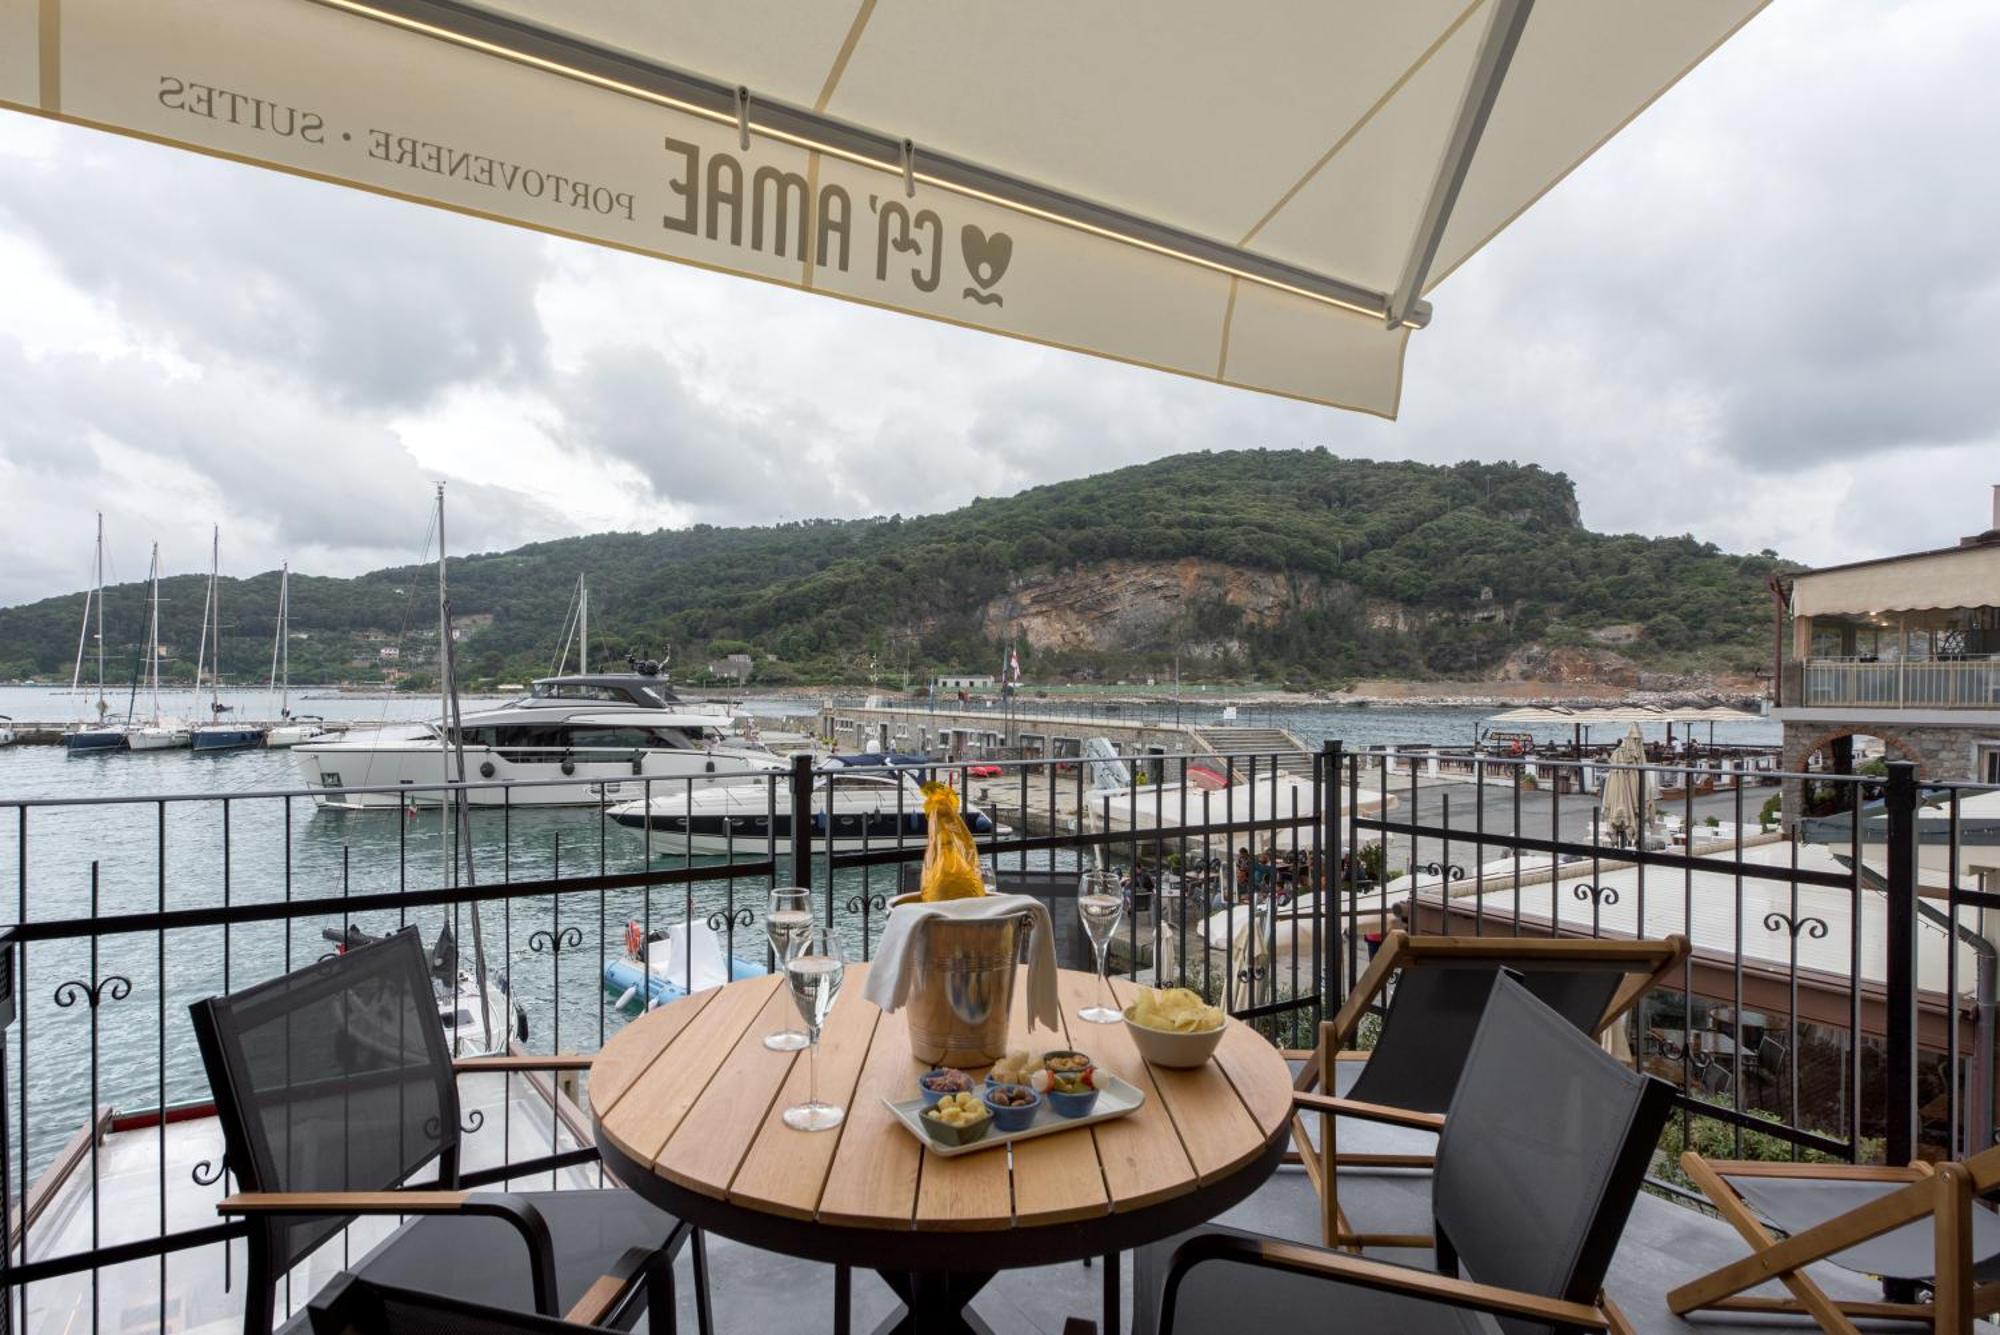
pixel 1178 1010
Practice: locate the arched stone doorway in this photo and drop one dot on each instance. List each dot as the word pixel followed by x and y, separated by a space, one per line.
pixel 1835 746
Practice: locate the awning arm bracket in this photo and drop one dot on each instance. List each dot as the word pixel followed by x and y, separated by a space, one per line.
pixel 1482 89
pixel 743 117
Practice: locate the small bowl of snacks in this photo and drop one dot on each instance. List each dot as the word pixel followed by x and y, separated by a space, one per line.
pixel 943 1080
pixel 958 1119
pixel 1014 1069
pixel 1174 1027
pixel 1013 1106
pixel 1071 1092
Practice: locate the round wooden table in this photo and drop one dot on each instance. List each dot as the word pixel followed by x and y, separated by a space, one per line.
pixel 687 1102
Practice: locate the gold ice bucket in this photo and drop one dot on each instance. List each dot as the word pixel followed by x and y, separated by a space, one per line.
pixel 963 993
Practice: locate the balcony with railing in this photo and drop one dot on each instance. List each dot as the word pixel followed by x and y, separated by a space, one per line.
pixel 1835 1005
pixel 1870 683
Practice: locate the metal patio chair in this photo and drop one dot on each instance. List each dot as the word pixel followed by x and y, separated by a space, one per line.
pixel 1914 1227
pixel 1441 984
pixel 335 1087
pixel 1541 1156
pixel 351 1305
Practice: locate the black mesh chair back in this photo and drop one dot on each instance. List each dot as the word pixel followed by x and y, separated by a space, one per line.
pixel 1542 1153
pixel 1434 1012
pixel 354 1306
pixel 335 1077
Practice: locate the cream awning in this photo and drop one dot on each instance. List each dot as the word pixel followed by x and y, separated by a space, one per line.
pixel 1953 577
pixel 1622 714
pixel 1256 194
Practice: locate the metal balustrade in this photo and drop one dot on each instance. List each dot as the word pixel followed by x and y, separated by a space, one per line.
pixel 1839 1000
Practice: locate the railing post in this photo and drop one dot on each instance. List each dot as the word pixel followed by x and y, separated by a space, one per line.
pixel 802 801
pixel 1900 980
pixel 1332 786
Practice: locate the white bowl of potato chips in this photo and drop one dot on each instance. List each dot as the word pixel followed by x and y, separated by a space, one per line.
pixel 1173 1026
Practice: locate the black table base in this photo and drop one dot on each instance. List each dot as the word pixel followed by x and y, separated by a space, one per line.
pixel 934 1302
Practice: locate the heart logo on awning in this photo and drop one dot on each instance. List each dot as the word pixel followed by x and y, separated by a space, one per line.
pixel 986 259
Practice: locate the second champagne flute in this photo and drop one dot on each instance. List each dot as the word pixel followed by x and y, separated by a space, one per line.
pixel 815 969
pixel 1100 903
pixel 786 921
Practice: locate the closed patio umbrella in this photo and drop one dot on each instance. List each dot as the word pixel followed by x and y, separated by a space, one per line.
pixel 1627 803
pixel 1261 194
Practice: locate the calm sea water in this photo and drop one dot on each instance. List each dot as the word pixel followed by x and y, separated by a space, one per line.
pixel 117 854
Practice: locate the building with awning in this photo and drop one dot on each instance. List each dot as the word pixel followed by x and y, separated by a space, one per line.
pixel 1261 196
pixel 1905 649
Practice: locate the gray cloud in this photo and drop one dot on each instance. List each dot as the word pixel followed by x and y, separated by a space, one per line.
pixel 1759 315
pixel 368 301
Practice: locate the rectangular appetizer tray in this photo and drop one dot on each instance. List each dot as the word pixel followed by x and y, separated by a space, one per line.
pixel 1115 1098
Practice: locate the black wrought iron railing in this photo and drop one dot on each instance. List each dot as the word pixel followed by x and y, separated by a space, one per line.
pixel 1838 1000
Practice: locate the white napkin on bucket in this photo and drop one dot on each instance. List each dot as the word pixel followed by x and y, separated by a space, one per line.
pixel 893 971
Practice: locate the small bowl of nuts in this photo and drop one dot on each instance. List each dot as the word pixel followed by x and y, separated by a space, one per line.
pixel 958 1119
pixel 1013 1106
pixel 935 1084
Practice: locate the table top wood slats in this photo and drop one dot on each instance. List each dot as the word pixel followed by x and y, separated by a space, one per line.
pixel 1056 1178
pixel 614 1069
pixel 1216 1130
pixel 652 1108
pixel 708 1147
pixel 690 1090
pixel 873 1179
pixel 1141 1155
pixel 785 1172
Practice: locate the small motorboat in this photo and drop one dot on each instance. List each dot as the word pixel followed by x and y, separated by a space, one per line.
pixel 684 958
pixel 159 735
pixel 853 807
pixel 296 729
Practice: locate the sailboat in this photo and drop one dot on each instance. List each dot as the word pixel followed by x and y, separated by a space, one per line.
pixel 215 735
pixel 104 735
pixel 290 731
pixel 162 734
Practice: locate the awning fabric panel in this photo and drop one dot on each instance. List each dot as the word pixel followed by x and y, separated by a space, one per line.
pixel 1308 131
pixel 1962 577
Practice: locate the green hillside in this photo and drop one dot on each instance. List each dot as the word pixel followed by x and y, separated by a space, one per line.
pixel 1480 558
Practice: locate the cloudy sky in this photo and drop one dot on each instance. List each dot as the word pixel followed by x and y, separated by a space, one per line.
pixel 1765 314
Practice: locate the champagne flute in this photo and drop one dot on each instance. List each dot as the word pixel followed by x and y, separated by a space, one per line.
pixel 1100 903
pixel 814 969
pixel 785 921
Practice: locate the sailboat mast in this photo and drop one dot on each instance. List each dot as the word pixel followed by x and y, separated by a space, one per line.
pixel 201 652
pixel 280 650
pixel 215 598
pixel 83 628
pixel 102 703
pixel 153 639
pixel 583 651
pixel 460 799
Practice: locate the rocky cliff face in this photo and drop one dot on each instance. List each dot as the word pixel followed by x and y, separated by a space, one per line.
pixel 1137 604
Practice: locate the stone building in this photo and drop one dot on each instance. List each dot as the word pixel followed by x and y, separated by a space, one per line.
pixel 1905 649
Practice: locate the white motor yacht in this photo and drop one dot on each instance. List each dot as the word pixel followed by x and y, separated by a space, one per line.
pixel 592 736
pixel 871 808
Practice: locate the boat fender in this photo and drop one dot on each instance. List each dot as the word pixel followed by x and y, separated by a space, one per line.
pixel 914 822
pixel 819 821
pixel 568 765
pixel 485 769
pixel 521 1022
pixel 710 767
pixel 625 998
pixel 638 763
pixel 635 939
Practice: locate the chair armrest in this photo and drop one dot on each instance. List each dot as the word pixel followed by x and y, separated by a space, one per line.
pixel 611 1288
pixel 517 1211
pixel 526 1062
pixel 1271 1254
pixel 1831 1172
pixel 1368 1112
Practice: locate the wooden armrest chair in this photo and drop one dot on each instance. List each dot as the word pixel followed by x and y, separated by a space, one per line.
pixel 1542 1153
pixel 1911 1226
pixel 1410 1075
pixel 335 1087
pixel 351 1305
